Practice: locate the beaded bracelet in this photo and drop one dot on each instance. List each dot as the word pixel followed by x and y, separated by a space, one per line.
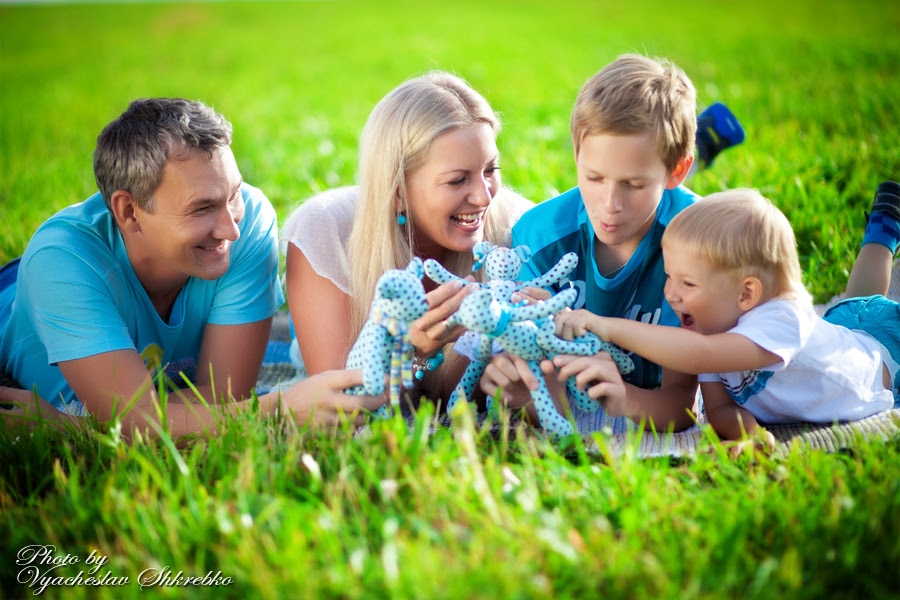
pixel 420 365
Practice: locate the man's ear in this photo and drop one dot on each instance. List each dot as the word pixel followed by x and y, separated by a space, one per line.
pixel 680 172
pixel 751 293
pixel 124 207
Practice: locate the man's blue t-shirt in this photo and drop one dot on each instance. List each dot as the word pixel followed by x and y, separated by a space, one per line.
pixel 77 296
pixel 560 225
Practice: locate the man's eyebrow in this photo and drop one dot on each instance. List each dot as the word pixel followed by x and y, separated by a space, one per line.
pixel 206 200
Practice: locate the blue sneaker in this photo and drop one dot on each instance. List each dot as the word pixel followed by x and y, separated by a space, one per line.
pixel 887 199
pixel 717 129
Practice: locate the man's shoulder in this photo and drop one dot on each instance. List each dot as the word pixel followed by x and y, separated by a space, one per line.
pixel 77 228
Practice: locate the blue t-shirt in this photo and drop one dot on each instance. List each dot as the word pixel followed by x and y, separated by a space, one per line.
pixel 77 296
pixel 560 225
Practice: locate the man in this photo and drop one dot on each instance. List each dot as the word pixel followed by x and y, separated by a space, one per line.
pixel 170 271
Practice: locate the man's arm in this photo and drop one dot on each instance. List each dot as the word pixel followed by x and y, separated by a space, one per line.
pixel 230 358
pixel 111 382
pixel 118 383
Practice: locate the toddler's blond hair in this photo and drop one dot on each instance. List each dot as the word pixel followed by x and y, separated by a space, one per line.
pixel 741 231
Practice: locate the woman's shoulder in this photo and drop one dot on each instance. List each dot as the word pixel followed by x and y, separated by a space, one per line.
pixel 330 210
pixel 335 202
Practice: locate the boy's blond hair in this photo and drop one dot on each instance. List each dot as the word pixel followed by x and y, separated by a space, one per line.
pixel 635 95
pixel 743 232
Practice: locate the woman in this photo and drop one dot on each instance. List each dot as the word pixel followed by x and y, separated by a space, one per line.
pixel 429 186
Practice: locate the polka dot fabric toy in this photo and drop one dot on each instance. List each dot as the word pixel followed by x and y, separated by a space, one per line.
pixel 528 332
pixel 383 346
pixel 502 266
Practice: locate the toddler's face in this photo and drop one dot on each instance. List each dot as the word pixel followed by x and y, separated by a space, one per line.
pixel 704 297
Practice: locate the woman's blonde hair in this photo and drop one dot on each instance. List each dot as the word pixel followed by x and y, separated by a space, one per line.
pixel 634 95
pixel 743 232
pixel 395 142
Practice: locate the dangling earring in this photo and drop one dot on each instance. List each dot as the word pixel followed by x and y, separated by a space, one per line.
pixel 401 219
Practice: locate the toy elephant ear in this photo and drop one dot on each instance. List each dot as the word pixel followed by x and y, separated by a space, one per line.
pixel 523 252
pixel 386 287
pixel 480 251
pixel 416 267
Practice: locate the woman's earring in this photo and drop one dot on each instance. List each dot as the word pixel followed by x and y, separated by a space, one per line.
pixel 401 219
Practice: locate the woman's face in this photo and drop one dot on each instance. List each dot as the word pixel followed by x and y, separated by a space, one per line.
pixel 450 193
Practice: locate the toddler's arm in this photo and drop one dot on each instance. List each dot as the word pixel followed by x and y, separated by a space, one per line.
pixel 730 421
pixel 673 348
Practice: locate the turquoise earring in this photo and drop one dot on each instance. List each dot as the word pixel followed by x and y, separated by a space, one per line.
pixel 401 219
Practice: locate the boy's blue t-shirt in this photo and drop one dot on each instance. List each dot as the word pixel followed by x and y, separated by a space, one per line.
pixel 77 296
pixel 560 225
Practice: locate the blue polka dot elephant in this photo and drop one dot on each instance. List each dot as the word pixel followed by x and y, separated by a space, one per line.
pixel 383 346
pixel 528 332
pixel 502 266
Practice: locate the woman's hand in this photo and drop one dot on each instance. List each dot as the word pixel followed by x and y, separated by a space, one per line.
pixel 431 332
pixel 530 295
pixel 511 376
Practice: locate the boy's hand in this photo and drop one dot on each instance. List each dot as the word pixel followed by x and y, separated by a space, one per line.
pixel 511 375
pixel 762 441
pixel 574 323
pixel 530 295
pixel 598 374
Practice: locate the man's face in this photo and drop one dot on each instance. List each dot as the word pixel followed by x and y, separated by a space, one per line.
pixel 193 221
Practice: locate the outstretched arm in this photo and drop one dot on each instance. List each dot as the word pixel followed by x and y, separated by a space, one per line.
pixel 673 348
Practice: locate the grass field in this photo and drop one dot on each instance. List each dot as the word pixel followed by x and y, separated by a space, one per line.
pixel 291 513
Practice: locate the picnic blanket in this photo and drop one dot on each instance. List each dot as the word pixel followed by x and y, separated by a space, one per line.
pixel 277 369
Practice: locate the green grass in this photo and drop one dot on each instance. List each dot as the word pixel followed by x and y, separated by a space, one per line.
pixel 291 513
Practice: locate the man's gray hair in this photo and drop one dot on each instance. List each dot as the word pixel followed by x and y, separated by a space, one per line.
pixel 132 151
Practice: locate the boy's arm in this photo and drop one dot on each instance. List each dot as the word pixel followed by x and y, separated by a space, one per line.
pixel 730 421
pixel 512 377
pixel 671 406
pixel 674 348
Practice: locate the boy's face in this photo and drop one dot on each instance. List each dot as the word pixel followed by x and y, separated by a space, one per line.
pixel 622 179
pixel 705 298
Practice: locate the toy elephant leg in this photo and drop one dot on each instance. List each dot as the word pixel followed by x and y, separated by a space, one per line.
pixel 467 383
pixel 383 413
pixel 580 397
pixel 551 421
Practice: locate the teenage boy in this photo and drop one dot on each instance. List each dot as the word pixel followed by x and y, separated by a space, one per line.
pixel 633 129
